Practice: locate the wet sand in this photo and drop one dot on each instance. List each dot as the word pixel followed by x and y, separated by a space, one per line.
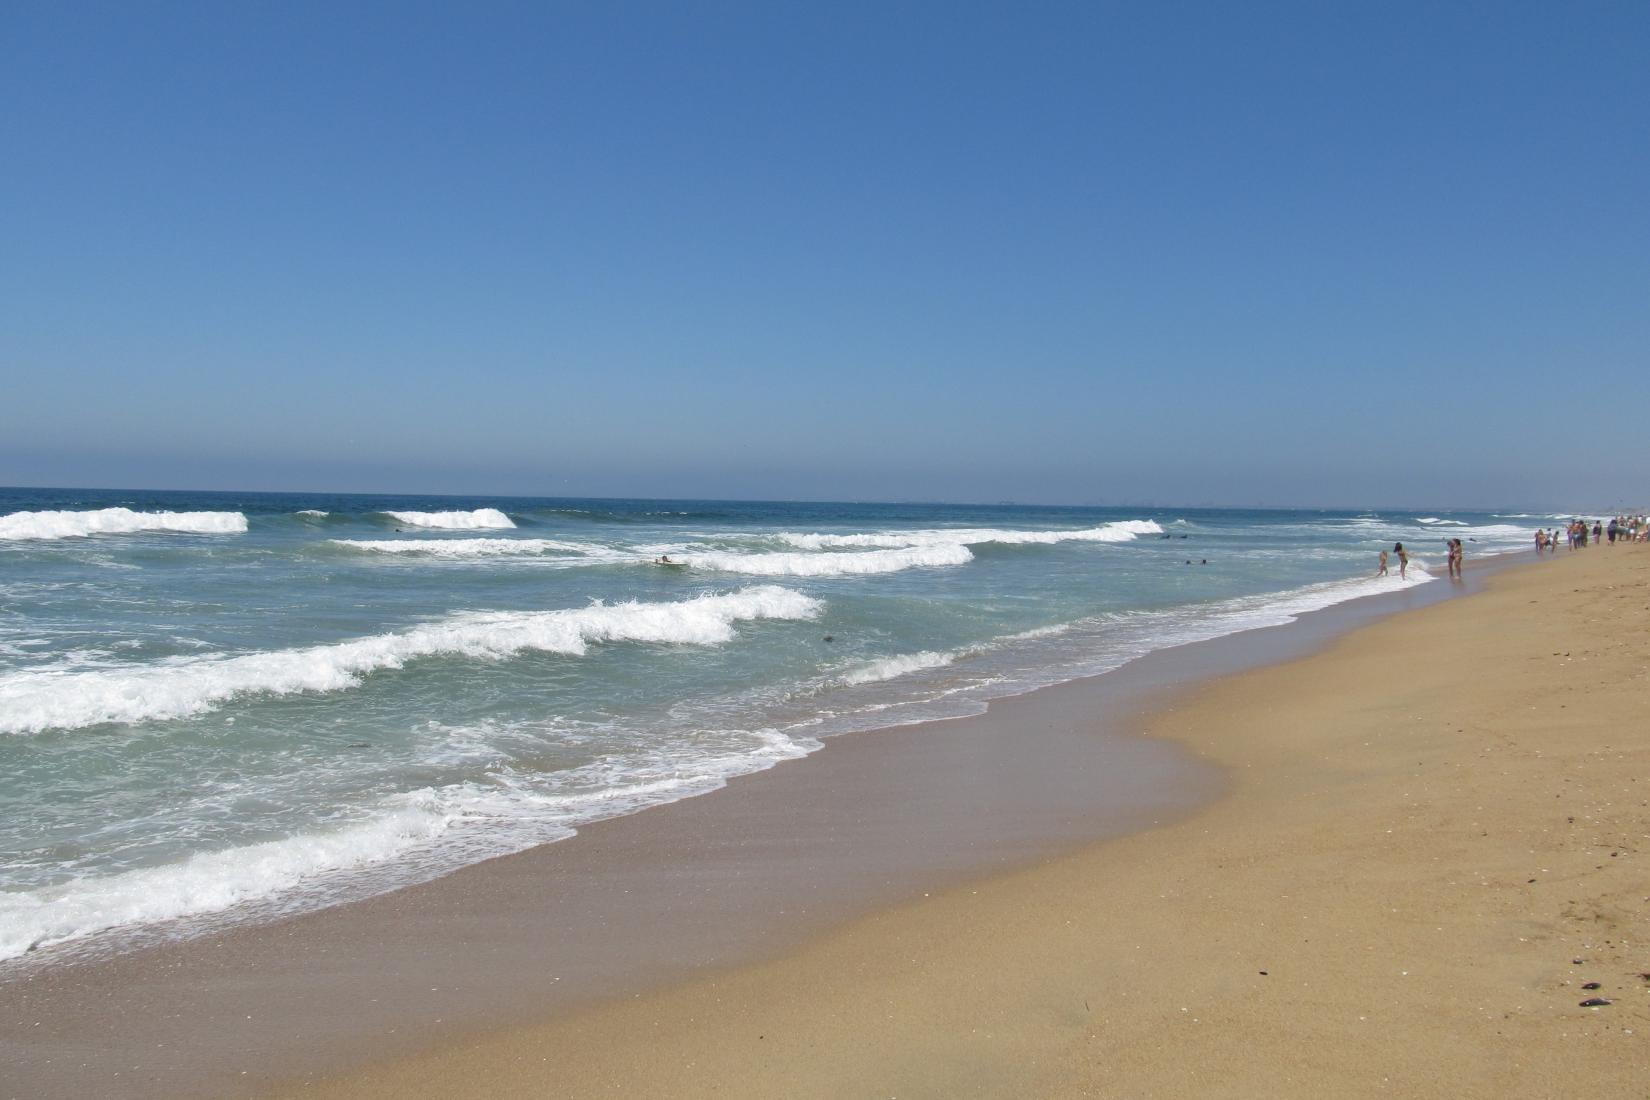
pixel 766 874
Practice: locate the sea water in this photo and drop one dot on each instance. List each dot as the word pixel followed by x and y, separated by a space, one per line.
pixel 219 707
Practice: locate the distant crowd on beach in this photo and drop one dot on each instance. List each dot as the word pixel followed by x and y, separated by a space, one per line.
pixel 1577 534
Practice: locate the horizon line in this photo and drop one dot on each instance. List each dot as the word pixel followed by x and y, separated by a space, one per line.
pixel 782 500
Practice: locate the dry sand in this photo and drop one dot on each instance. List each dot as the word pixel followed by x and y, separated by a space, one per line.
pixel 1435 835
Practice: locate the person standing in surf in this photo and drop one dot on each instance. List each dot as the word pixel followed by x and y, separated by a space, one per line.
pixel 1381 572
pixel 1403 560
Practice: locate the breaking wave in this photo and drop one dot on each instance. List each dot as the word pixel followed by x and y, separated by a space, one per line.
pixel 32 701
pixel 1120 531
pixel 482 519
pixel 890 668
pixel 463 548
pixel 834 564
pixel 117 521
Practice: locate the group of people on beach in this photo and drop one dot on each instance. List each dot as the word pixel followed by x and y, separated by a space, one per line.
pixel 1403 561
pixel 1577 534
pixel 1452 547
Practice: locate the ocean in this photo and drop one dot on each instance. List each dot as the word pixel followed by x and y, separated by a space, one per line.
pixel 222 707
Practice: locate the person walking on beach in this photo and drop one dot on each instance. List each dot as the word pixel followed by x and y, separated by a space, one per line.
pixel 1381 572
pixel 1540 541
pixel 1457 558
pixel 1403 560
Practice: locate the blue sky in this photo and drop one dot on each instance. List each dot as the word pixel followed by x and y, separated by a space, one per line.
pixel 1288 254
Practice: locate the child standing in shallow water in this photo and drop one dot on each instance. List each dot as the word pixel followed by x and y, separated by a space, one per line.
pixel 1381 572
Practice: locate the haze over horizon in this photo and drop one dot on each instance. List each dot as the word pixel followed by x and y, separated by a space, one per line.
pixel 1282 256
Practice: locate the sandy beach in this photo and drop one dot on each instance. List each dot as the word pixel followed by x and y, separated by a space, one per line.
pixel 1432 845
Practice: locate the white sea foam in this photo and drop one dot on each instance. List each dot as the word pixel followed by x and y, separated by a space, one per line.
pixel 310 512
pixel 463 548
pixel 1121 531
pixel 482 519
pixel 207 882
pixel 405 837
pixel 1107 642
pixel 117 521
pixel 1193 623
pixel 1434 520
pixel 1035 632
pixel 834 564
pixel 31 702
pixel 889 668
pixel 1495 536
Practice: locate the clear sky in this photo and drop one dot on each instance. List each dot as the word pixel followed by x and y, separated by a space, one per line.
pixel 1321 253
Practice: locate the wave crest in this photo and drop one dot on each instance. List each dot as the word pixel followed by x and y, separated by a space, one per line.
pixel 117 521
pixel 462 548
pixel 481 519
pixel 833 565
pixel 1119 531
pixel 890 668
pixel 33 701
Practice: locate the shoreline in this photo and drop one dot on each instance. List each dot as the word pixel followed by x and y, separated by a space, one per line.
pixel 1432 843
pixel 341 954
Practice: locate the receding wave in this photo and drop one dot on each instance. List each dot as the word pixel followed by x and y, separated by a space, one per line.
pixel 481 519
pixel 32 702
pixel 1120 531
pixel 117 521
pixel 463 548
pixel 406 837
pixel 206 882
pixel 834 564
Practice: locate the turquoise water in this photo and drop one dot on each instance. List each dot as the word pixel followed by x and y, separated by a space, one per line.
pixel 228 706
